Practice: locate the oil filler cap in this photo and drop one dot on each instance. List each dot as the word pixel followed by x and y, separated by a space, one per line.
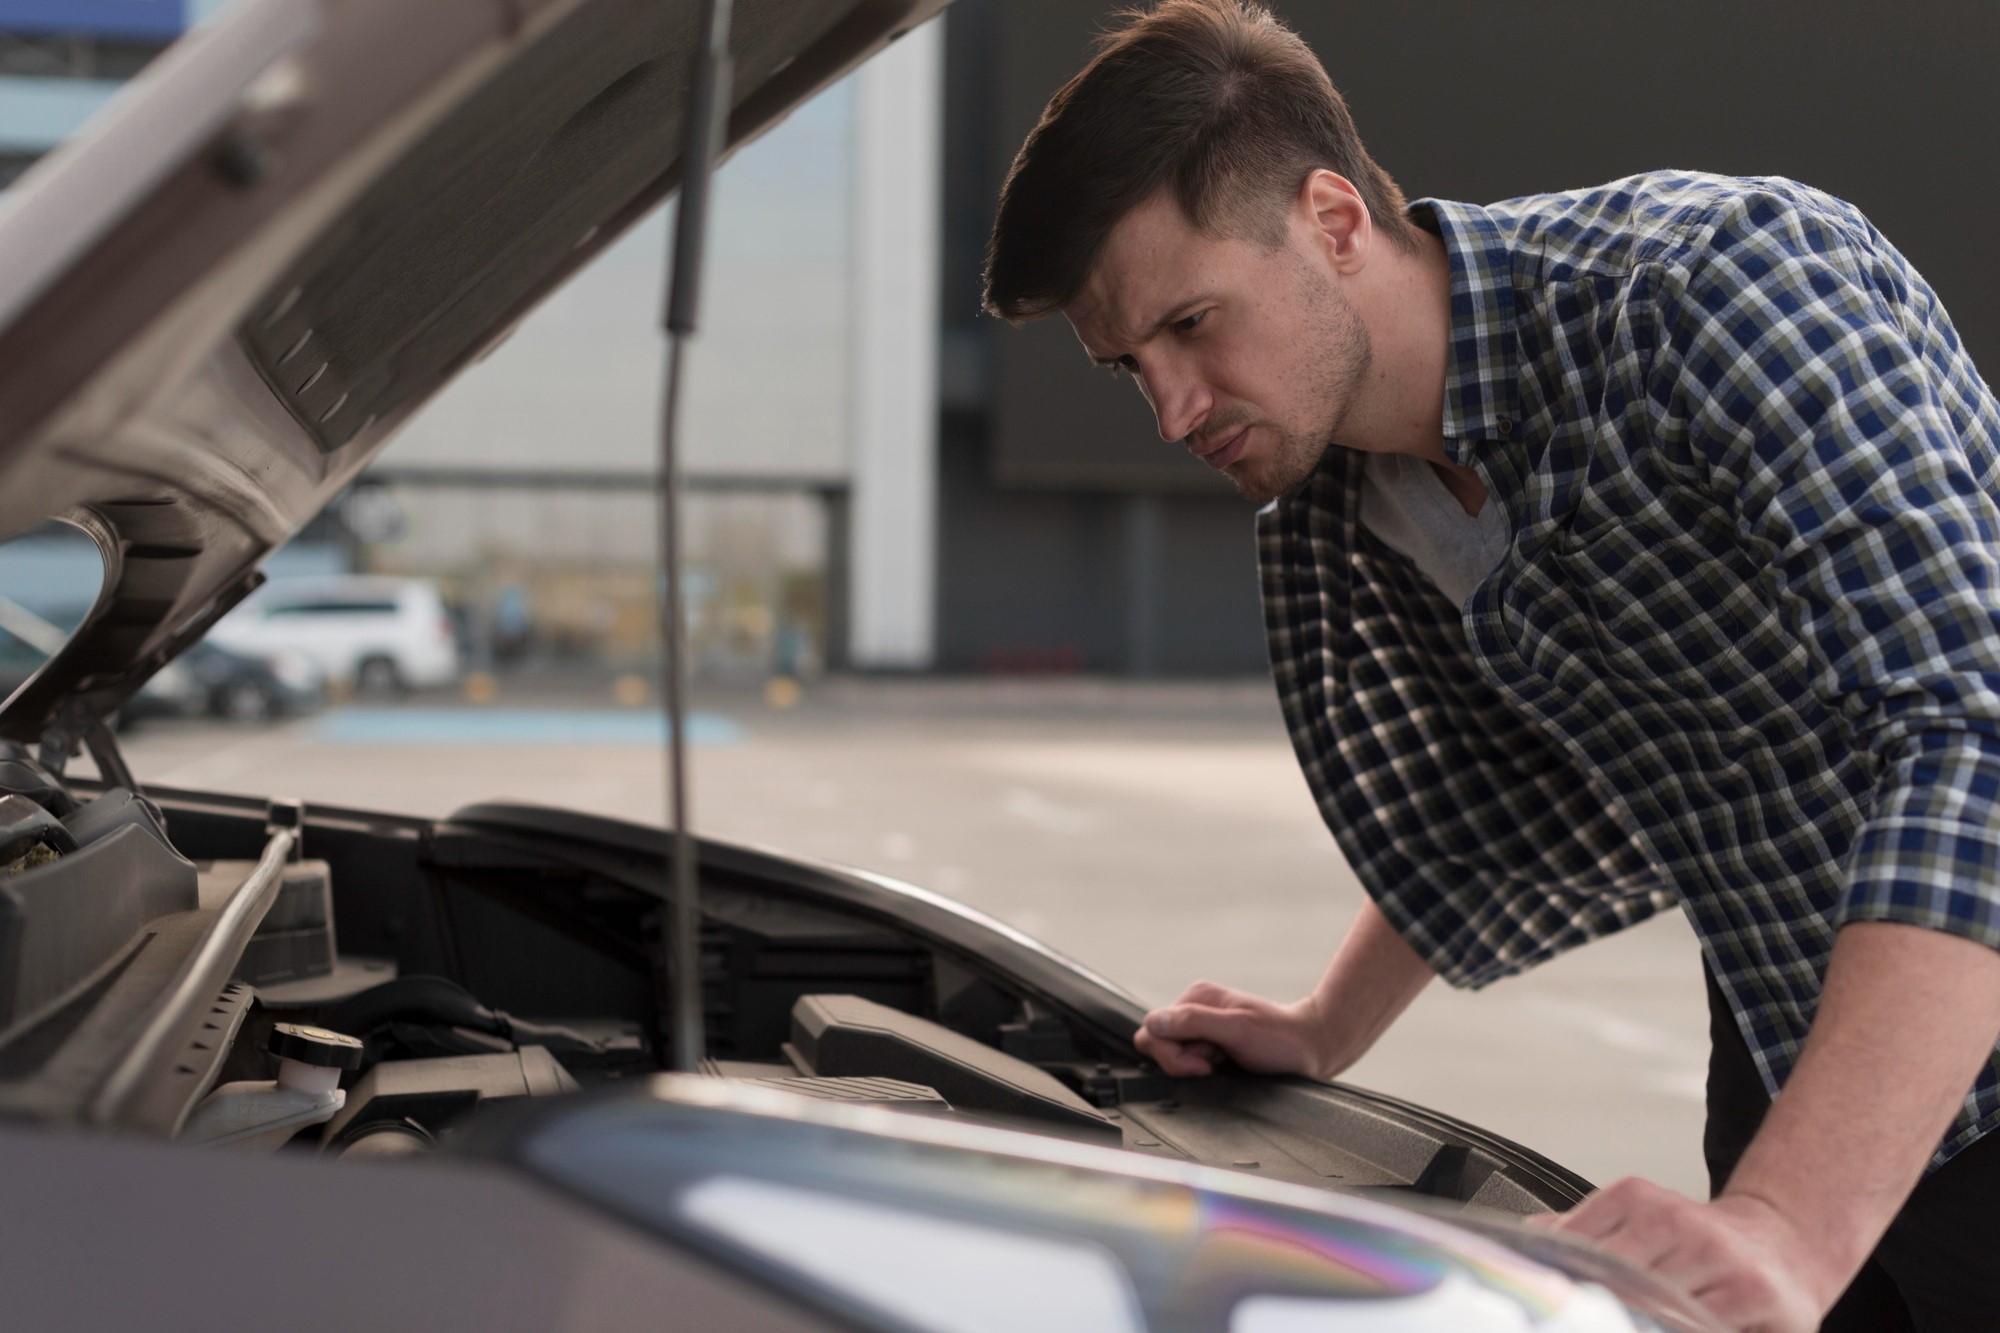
pixel 321 1048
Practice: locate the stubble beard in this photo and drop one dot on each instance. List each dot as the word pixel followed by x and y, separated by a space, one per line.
pixel 1336 353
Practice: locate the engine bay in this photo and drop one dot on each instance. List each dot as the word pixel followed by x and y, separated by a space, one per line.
pixel 241 975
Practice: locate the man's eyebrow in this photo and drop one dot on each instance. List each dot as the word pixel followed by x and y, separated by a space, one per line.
pixel 1176 312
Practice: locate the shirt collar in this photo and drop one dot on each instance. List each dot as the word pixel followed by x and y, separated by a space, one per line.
pixel 1479 389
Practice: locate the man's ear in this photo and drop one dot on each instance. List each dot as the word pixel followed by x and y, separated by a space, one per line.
pixel 1336 220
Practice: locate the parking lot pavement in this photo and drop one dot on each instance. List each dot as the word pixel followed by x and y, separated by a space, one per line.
pixel 1158 833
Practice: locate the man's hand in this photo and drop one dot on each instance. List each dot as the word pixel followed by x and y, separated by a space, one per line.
pixel 1739 1257
pixel 1188 1037
pixel 1907 1017
pixel 1372 977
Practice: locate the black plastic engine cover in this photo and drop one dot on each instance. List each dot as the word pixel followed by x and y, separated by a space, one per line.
pixel 431 1092
pixel 847 1036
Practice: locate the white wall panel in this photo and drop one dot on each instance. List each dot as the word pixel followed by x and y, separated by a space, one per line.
pixel 898 117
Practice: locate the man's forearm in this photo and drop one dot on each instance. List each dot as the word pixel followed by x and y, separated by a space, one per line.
pixel 1907 1017
pixel 1371 980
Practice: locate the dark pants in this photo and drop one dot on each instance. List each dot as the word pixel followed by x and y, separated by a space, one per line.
pixel 1937 1269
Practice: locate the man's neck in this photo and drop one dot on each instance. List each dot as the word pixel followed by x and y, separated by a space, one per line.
pixel 1405 302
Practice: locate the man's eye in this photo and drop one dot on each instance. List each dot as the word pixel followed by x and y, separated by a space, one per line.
pixel 1186 324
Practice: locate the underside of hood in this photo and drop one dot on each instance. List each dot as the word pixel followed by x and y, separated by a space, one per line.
pixel 288 234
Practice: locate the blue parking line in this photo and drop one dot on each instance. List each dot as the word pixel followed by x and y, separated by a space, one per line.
pixel 518 726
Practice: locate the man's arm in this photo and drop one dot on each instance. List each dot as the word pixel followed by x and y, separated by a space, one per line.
pixel 1372 978
pixel 1907 1018
pixel 1812 378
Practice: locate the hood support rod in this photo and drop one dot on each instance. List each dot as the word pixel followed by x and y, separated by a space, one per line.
pixel 707 123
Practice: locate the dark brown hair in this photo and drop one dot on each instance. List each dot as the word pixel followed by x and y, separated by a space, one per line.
pixel 1213 99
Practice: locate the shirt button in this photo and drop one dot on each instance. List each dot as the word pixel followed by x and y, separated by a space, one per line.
pixel 1505 425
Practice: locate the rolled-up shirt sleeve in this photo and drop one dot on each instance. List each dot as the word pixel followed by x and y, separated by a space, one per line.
pixel 1842 450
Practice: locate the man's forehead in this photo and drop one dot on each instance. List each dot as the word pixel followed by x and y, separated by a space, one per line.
pixel 1100 315
pixel 1147 263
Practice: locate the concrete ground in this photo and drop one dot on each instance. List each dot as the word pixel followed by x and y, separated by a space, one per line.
pixel 1158 833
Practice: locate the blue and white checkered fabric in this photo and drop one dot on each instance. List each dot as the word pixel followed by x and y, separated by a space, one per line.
pixel 1743 652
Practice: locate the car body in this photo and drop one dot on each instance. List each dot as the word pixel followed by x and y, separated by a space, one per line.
pixel 376 634
pixel 214 310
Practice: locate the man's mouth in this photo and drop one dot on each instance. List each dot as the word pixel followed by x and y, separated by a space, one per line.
pixel 1228 451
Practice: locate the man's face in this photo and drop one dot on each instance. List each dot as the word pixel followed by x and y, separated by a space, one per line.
pixel 1248 354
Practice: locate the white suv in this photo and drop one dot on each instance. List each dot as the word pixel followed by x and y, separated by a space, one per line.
pixel 380 634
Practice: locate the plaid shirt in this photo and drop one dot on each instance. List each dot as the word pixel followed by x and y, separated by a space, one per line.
pixel 1743 652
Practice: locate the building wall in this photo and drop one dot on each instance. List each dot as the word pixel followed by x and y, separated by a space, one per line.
pixel 577 385
pixel 1045 580
pixel 1890 108
pixel 1071 538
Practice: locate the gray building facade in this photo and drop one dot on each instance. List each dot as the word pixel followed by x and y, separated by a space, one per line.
pixel 1071 537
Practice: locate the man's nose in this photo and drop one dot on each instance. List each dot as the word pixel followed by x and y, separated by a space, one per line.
pixel 1180 403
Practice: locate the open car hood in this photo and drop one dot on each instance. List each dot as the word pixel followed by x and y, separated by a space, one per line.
pixel 290 232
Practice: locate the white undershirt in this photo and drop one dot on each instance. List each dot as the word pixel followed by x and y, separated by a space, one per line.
pixel 1406 504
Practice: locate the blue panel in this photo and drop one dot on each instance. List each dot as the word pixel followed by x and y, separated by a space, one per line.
pixel 135 20
pixel 520 726
pixel 38 114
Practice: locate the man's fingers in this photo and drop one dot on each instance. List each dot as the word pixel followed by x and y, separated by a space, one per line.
pixel 1200 1022
pixel 1190 1063
pixel 1645 1239
pixel 1718 1254
pixel 1177 1059
pixel 1255 1034
pixel 1206 992
pixel 1680 1240
pixel 1607 1212
pixel 1638 1221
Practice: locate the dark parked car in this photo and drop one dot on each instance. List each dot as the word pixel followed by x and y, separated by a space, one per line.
pixel 263 1064
pixel 254 687
pixel 205 678
pixel 28 641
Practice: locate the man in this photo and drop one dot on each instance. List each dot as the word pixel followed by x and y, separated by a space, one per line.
pixel 1658 562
